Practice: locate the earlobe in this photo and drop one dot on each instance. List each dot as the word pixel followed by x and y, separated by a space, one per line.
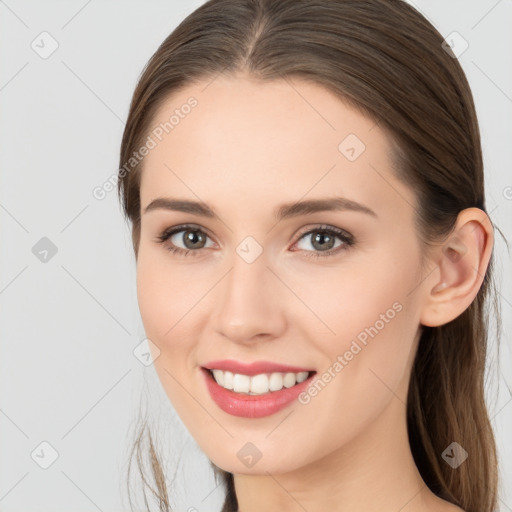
pixel 461 263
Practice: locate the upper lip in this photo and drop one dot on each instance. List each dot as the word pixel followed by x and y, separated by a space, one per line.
pixel 253 368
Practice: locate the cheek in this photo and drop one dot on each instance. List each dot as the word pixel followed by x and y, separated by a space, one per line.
pixel 376 327
pixel 372 319
pixel 173 300
pixel 366 368
pixel 163 300
pixel 152 299
pixel 355 302
pixel 163 305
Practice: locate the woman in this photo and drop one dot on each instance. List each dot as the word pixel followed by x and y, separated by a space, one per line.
pixel 305 185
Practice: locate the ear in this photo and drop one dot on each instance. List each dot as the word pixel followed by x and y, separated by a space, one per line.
pixel 460 265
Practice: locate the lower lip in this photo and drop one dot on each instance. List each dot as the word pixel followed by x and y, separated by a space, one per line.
pixel 253 406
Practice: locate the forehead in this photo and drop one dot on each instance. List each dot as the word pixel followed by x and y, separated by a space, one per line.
pixel 236 137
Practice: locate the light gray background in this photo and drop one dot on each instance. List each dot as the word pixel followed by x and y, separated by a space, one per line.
pixel 68 375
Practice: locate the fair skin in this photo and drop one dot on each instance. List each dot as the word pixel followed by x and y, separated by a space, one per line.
pixel 247 148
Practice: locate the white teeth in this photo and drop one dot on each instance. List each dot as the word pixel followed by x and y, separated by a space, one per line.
pixel 241 383
pixel 228 380
pixel 289 380
pixel 219 377
pixel 302 376
pixel 257 384
pixel 276 381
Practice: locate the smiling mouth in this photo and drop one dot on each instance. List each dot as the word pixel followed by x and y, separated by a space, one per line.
pixel 259 384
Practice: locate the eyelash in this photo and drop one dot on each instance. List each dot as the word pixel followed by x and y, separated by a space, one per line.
pixel 344 236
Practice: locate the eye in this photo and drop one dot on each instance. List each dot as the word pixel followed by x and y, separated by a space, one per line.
pixel 324 241
pixel 194 238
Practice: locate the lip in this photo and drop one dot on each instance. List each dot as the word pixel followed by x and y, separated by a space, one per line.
pixel 255 368
pixel 253 406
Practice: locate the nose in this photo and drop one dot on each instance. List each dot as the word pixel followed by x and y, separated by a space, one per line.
pixel 250 307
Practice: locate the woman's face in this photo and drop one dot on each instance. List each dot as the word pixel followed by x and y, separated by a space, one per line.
pixel 336 290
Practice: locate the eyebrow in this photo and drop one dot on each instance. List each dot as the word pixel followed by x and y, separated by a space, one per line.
pixel 282 212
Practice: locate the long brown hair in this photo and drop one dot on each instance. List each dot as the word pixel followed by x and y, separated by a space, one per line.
pixel 386 60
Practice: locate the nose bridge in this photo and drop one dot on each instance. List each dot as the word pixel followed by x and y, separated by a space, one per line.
pixel 249 302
